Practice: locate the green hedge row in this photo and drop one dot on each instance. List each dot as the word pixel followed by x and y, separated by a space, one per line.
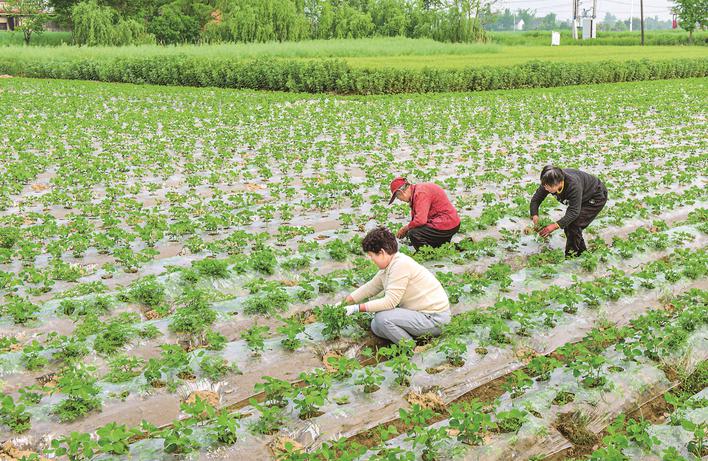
pixel 338 77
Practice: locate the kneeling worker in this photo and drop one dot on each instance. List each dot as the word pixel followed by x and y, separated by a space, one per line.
pixel 434 219
pixel 414 301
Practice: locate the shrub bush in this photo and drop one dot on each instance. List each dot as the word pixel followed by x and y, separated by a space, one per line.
pixel 332 75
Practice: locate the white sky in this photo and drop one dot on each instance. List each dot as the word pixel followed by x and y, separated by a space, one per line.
pixel 564 8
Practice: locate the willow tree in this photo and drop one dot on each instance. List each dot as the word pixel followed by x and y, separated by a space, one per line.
pixel 263 20
pixel 92 23
pixel 463 20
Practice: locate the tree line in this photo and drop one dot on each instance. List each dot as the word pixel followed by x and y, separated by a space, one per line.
pixel 97 22
pixel 123 22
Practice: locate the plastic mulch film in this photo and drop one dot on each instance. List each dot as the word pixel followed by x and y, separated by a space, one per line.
pixel 694 352
pixel 627 389
pixel 672 436
pixel 365 411
pixel 277 363
pixel 635 384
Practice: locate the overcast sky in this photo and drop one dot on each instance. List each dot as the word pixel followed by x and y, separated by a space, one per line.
pixel 564 8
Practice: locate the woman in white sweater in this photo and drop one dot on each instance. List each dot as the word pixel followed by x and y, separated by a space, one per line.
pixel 414 303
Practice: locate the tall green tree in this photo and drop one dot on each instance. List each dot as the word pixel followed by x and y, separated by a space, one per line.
pixel 92 23
pixel 389 17
pixel 31 15
pixel 691 14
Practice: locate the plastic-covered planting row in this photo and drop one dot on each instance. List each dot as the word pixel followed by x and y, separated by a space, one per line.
pixel 278 363
pixel 684 434
pixel 357 410
pixel 565 403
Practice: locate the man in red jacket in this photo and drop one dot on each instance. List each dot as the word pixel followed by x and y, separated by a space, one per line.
pixel 434 219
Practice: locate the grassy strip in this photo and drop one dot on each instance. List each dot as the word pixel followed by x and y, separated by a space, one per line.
pixel 324 76
pixel 379 46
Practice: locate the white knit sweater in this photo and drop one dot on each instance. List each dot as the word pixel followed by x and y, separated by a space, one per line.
pixel 406 284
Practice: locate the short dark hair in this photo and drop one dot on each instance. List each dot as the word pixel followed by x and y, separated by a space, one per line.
pixel 380 239
pixel 551 175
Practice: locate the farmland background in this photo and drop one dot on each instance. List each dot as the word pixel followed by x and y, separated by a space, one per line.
pixel 185 189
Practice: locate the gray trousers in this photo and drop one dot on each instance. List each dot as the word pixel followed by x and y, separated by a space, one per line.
pixel 399 323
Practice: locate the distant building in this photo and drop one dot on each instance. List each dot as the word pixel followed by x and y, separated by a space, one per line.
pixel 519 25
pixel 8 21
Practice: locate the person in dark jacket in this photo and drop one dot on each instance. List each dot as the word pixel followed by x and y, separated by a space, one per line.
pixel 585 196
pixel 434 219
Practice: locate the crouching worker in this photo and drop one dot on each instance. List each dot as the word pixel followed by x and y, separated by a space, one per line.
pixel 434 219
pixel 585 196
pixel 414 303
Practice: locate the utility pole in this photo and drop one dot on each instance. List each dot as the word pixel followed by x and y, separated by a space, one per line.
pixel 574 25
pixel 641 18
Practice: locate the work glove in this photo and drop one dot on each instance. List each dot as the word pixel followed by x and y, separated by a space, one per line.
pixel 548 230
pixel 354 308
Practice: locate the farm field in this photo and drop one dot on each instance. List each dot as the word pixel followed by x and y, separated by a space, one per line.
pixel 172 259
pixel 375 53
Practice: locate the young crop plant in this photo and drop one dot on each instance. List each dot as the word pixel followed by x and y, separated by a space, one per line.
pixel 454 349
pixel 123 368
pixel 195 315
pixel 116 334
pixel 511 420
pixel 79 386
pixel 275 391
pixel 370 378
pixel 541 367
pixel 500 272
pixel 21 310
pixel 589 368
pixel 292 327
pixel 114 438
pixel 32 357
pixel 636 431
pixel 271 418
pixel 31 395
pixel 14 415
pixel 429 438
pixel 335 320
pixel 517 383
pixel 267 302
pixel 471 422
pixel 215 341
pixel 342 367
pixel 399 360
pixel 255 338
pixel 698 446
pixel 313 394
pixel 77 446
pixel 215 367
pixel 153 372
pixel 337 249
pixel 178 439
pixel 263 261
pixel 210 267
pixel 225 427
pixel 147 291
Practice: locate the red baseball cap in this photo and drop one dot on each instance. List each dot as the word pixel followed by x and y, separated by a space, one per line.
pixel 396 185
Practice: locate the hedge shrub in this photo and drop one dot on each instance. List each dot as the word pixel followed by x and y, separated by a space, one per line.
pixel 336 76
